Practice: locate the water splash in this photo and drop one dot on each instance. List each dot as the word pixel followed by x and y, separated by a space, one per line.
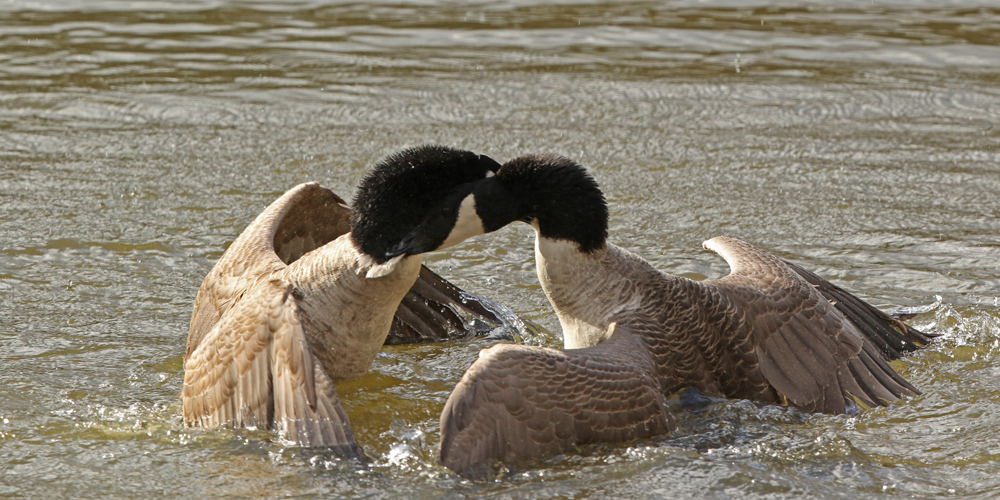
pixel 410 448
pixel 907 311
pixel 511 325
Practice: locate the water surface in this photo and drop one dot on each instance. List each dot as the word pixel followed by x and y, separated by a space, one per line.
pixel 137 139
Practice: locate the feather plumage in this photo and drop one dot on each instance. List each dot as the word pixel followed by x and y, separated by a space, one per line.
pixel 270 331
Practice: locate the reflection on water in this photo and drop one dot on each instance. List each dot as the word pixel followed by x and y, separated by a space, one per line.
pixel 138 138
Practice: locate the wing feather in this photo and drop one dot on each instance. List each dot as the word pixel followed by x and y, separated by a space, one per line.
pixel 303 218
pixel 432 311
pixel 307 407
pixel 808 348
pixel 219 375
pixel 520 402
pixel 892 336
pixel 256 369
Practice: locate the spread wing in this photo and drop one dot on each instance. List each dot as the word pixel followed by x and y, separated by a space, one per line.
pixel 778 323
pixel 255 367
pixel 891 335
pixel 303 219
pixel 306 217
pixel 432 311
pixel 520 402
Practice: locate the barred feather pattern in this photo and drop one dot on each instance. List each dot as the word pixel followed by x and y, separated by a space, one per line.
pixel 763 332
pixel 769 331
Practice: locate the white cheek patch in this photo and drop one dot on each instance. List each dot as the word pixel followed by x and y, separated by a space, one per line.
pixel 467 225
pixel 385 268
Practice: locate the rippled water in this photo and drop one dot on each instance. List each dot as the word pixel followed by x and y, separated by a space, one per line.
pixel 137 138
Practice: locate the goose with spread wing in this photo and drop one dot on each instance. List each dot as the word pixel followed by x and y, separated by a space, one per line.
pixel 770 331
pixel 307 295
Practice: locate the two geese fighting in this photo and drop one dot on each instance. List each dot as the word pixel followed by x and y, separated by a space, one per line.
pixel 311 290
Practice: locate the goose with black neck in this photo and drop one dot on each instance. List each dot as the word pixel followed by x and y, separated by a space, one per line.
pixel 769 331
pixel 298 302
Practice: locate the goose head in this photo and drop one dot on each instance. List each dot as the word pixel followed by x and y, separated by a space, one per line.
pixel 411 202
pixel 552 193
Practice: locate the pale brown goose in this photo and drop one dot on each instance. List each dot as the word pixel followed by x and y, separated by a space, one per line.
pixel 299 300
pixel 769 331
pixel 303 219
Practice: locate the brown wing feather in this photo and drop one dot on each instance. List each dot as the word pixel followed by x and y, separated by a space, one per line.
pixel 520 402
pixel 255 367
pixel 431 311
pixel 434 287
pixel 889 334
pixel 305 217
pixel 808 351
pixel 227 378
pixel 307 409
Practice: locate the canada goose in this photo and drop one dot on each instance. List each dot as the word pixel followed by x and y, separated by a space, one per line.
pixel 298 302
pixel 769 331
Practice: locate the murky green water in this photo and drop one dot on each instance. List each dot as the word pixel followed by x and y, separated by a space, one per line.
pixel 138 138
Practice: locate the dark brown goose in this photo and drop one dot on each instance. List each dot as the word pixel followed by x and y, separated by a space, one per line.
pixel 769 331
pixel 299 300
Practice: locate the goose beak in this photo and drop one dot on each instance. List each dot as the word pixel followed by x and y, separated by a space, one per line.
pixel 490 164
pixel 414 243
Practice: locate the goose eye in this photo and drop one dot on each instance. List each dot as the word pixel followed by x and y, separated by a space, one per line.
pixel 446 211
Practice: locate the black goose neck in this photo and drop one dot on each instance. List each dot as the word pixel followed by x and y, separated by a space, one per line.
pixel 560 196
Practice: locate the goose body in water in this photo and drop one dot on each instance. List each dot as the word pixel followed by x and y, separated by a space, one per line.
pixel 770 331
pixel 307 295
